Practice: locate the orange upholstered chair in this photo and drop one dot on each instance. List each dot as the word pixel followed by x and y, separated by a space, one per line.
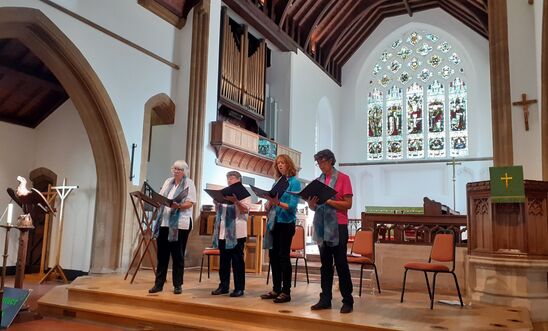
pixel 209 252
pixel 443 250
pixel 298 251
pixel 363 253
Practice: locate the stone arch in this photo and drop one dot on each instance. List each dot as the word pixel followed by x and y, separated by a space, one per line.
pixel 43 175
pixel 62 57
pixel 159 110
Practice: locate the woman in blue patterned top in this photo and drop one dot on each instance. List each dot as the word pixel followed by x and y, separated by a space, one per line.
pixel 281 227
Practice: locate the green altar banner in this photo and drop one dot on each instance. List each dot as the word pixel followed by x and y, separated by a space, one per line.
pixel 507 184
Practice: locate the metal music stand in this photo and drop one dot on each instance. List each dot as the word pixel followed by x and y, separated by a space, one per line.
pixel 146 211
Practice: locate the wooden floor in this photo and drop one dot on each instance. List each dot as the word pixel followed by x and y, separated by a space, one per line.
pixel 113 301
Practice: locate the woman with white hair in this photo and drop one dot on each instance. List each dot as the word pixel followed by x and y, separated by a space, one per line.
pixel 173 226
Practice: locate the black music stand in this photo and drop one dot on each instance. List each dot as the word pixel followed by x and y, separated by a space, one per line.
pixel 148 211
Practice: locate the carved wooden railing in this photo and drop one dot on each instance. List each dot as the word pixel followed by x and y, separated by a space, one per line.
pixel 412 228
pixel 244 150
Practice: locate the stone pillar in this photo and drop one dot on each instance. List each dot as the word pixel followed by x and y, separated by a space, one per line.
pixel 501 104
pixel 544 96
pixel 196 117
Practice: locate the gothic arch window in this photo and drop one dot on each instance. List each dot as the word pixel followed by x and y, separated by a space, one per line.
pixel 417 100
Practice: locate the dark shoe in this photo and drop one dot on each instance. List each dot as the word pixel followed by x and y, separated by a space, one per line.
pixel 177 290
pixel 219 291
pixel 283 297
pixel 237 293
pixel 269 296
pixel 155 289
pixel 346 308
pixel 321 305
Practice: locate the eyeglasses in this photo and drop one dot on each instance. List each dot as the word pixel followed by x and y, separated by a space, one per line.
pixel 176 169
pixel 318 162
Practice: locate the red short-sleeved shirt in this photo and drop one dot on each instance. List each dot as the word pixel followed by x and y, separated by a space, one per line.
pixel 343 187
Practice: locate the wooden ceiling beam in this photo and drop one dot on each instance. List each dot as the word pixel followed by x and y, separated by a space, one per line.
pixel 317 21
pixel 482 23
pixel 20 75
pixel 328 21
pixel 365 31
pixel 303 8
pixel 465 19
pixel 370 14
pixel 291 4
pixel 409 11
pixel 348 9
pixel 255 17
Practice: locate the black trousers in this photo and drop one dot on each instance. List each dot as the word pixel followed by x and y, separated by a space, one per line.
pixel 279 257
pixel 177 251
pixel 337 253
pixel 234 257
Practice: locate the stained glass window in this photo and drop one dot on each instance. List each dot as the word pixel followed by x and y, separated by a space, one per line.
pixel 417 100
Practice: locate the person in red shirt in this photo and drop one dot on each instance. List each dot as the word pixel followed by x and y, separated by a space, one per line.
pixel 331 232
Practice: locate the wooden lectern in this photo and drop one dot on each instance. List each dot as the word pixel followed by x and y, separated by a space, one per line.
pixel 145 219
pixel 516 230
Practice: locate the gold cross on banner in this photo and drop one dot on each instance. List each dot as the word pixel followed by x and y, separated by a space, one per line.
pixel 525 104
pixel 506 179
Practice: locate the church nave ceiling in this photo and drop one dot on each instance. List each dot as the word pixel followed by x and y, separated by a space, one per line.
pixel 331 31
pixel 29 92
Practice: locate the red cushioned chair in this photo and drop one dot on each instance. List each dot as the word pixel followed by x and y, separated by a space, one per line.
pixel 363 253
pixel 209 252
pixel 443 250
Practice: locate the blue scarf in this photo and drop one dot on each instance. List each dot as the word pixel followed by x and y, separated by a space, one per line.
pixel 230 226
pixel 173 226
pixel 326 225
pixel 270 221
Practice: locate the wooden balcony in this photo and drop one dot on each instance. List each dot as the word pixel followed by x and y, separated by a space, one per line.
pixel 240 149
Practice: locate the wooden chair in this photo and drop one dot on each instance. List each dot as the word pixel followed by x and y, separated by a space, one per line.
pixel 443 250
pixel 209 252
pixel 298 251
pixel 363 253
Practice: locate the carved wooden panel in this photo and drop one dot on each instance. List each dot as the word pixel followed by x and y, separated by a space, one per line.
pixel 508 229
pixel 238 148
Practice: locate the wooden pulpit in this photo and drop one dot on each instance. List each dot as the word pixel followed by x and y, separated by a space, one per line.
pixel 517 230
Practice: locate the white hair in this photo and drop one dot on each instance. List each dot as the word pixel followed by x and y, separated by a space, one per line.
pixel 181 164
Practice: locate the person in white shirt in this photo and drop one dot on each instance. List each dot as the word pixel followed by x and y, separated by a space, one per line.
pixel 229 235
pixel 173 226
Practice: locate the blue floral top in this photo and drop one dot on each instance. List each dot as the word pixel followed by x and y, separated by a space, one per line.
pixel 289 215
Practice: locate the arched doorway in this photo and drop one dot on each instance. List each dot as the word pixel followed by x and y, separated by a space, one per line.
pixel 62 57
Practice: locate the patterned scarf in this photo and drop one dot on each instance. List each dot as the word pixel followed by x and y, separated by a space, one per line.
pixel 270 221
pixel 230 226
pixel 173 226
pixel 326 225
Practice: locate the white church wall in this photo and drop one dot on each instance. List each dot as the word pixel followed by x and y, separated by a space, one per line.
pixel 538 9
pixel 278 77
pixel 523 79
pixel 168 142
pixel 62 145
pixel 311 89
pixel 406 184
pixel 17 150
pixel 129 76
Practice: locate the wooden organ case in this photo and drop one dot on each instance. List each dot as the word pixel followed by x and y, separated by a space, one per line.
pixel 242 73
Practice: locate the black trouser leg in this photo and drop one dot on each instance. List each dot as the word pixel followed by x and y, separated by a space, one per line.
pixel 224 266
pixel 341 263
pixel 238 265
pixel 162 257
pixel 279 257
pixel 178 249
pixel 326 271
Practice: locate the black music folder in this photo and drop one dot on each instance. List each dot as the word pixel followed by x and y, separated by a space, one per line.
pixel 163 200
pixel 236 189
pixel 277 190
pixel 316 189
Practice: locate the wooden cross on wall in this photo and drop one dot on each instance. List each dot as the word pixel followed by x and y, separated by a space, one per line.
pixel 525 104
